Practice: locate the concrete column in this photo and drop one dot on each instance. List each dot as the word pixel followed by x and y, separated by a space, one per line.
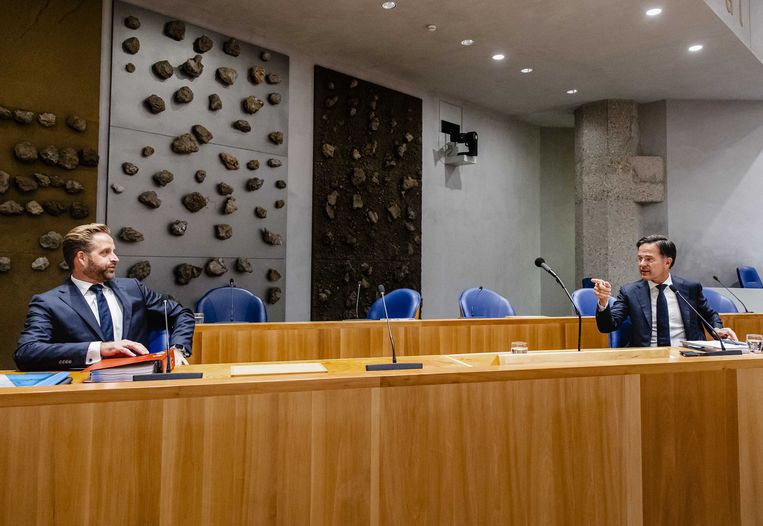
pixel 611 184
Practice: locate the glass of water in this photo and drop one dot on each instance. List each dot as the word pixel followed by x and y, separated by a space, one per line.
pixel 755 342
pixel 519 347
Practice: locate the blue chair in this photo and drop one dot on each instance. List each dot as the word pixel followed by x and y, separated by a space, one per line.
pixel 484 303
pixel 749 278
pixel 401 303
pixel 718 302
pixel 230 304
pixel 585 300
pixel 587 283
pixel 157 340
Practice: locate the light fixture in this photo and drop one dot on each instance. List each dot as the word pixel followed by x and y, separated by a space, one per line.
pixel 571 91
pixel 467 42
pixel 655 11
pixel 499 56
pixel 389 5
pixel 431 28
pixel 696 47
pixel 526 70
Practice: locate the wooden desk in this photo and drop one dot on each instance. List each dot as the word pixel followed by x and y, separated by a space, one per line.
pixel 629 440
pixel 261 342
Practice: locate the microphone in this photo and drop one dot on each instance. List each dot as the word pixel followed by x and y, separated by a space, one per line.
pixel 471 310
pixel 394 365
pixel 357 301
pixel 729 291
pixel 712 329
pixel 541 263
pixel 170 357
pixel 232 302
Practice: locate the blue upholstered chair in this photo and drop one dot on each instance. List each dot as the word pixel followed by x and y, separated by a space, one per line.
pixel 157 340
pixel 586 301
pixel 401 303
pixel 749 278
pixel 484 303
pixel 229 304
pixel 718 302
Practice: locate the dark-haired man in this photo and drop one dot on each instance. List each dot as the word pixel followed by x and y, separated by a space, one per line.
pixel 658 316
pixel 94 315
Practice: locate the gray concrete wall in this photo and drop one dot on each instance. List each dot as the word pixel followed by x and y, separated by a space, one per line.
pixel 653 142
pixel 715 186
pixel 480 224
pixel 557 216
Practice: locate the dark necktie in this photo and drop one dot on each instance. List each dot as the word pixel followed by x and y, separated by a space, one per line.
pixel 663 322
pixel 104 314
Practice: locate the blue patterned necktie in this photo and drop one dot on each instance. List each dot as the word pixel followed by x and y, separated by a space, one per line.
pixel 663 318
pixel 104 314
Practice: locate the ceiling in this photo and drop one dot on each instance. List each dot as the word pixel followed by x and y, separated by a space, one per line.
pixel 602 48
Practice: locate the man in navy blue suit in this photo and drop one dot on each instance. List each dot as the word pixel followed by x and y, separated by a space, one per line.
pixel 659 317
pixel 94 315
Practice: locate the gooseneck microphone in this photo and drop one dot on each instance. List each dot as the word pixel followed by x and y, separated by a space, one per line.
pixel 541 263
pixel 729 291
pixel 395 364
pixel 357 301
pixel 710 327
pixel 170 359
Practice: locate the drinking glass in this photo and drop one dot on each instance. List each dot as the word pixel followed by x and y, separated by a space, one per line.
pixel 198 317
pixel 519 347
pixel 755 342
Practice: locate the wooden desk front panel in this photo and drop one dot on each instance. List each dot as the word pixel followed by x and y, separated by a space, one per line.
pixel 259 342
pixel 522 452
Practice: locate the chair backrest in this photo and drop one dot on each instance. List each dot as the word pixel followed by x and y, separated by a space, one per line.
pixel 749 278
pixel 401 303
pixel 718 302
pixel 229 304
pixel 587 283
pixel 585 300
pixel 157 340
pixel 484 303
pixel 622 336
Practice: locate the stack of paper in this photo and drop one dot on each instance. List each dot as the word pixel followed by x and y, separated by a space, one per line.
pixel 125 372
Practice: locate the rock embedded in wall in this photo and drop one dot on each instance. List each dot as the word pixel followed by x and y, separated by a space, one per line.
pixel 140 270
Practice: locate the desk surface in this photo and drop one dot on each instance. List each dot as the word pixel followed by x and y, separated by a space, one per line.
pixel 625 438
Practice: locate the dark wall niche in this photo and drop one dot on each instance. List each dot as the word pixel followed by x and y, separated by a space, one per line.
pixel 366 193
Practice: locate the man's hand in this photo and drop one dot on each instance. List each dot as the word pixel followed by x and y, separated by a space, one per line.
pixel 726 333
pixel 122 348
pixel 602 289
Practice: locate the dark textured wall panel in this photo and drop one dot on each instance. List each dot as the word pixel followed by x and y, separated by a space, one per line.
pixel 50 62
pixel 133 127
pixel 366 193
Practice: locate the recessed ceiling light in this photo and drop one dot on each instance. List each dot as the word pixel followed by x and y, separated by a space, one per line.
pixel 526 70
pixel 499 56
pixel 431 27
pixel 389 5
pixel 695 48
pixel 655 11
pixel 467 42
pixel 571 91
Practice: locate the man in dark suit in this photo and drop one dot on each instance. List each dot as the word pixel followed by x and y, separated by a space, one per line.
pixel 659 317
pixel 94 315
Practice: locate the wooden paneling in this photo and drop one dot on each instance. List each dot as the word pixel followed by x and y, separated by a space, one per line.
pixel 641 440
pixel 264 342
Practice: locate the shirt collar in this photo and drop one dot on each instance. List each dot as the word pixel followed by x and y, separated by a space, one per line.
pixel 653 285
pixel 83 286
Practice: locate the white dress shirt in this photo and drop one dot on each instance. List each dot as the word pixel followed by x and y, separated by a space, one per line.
pixel 677 331
pixel 94 349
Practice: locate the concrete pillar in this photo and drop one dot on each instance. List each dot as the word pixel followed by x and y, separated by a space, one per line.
pixel 611 183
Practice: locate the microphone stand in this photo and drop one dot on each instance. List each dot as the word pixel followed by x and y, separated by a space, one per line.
pixel 710 327
pixel 395 365
pixel 735 296
pixel 540 262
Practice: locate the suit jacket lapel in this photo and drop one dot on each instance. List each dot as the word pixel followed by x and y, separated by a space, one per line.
pixel 71 295
pixel 645 300
pixel 126 311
